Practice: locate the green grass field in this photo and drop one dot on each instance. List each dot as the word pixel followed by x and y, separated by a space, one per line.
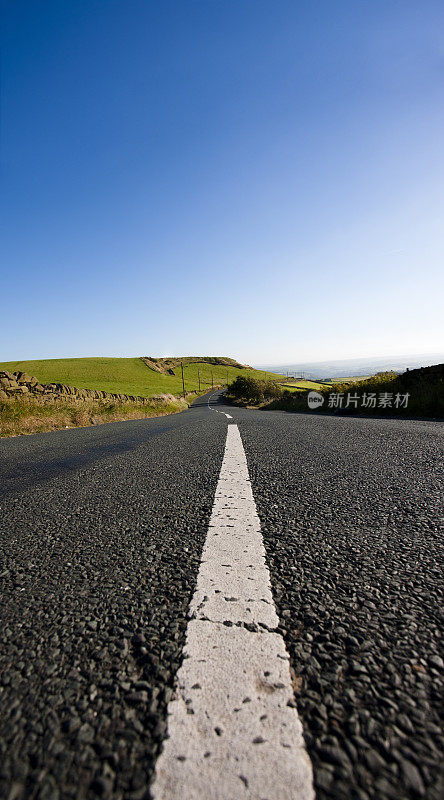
pixel 351 379
pixel 300 385
pixel 128 375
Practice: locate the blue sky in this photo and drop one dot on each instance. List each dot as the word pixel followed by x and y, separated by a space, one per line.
pixel 257 179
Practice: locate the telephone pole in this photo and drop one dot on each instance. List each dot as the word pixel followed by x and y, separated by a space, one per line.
pixel 183 382
pixel 198 377
pixel 212 383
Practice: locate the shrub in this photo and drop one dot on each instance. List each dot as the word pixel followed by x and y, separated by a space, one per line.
pixel 253 390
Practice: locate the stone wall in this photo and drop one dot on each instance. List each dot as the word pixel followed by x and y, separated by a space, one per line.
pixel 21 385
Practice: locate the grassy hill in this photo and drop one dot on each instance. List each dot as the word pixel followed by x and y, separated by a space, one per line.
pixel 133 376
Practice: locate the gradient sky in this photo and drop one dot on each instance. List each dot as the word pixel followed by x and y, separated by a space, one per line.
pixel 261 179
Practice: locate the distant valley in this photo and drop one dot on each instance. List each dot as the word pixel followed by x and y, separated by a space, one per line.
pixel 356 366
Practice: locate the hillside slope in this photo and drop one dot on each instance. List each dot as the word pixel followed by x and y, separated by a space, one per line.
pixel 168 366
pixel 132 375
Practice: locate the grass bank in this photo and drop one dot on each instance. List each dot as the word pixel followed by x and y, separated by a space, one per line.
pixel 25 416
pixel 132 376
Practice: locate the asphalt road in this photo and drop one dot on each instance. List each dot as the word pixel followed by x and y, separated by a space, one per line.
pixel 101 535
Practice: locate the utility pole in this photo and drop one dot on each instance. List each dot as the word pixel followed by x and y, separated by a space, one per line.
pixel 198 377
pixel 227 379
pixel 212 383
pixel 183 382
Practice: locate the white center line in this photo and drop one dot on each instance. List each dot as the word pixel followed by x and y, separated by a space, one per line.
pixel 233 729
pixel 209 400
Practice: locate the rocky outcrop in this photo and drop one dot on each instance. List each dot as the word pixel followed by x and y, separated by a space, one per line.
pixel 168 365
pixel 19 385
pixel 152 364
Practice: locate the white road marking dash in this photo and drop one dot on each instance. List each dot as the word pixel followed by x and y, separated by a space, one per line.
pixel 233 730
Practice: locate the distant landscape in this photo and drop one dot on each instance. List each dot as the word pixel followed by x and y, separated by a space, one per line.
pixel 46 394
pixel 361 367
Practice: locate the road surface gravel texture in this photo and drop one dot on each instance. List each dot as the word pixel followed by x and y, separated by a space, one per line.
pixel 102 532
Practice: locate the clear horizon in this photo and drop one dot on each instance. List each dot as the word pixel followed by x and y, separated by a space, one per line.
pixel 398 357
pixel 255 179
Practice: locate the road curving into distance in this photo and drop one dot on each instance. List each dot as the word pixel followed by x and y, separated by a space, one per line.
pixel 105 537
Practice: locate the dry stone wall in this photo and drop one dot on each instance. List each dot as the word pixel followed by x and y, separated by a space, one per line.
pixel 21 385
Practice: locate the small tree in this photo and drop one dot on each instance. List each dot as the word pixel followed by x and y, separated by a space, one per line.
pixel 255 391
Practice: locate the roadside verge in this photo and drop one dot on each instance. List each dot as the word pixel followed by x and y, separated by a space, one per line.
pixel 27 407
